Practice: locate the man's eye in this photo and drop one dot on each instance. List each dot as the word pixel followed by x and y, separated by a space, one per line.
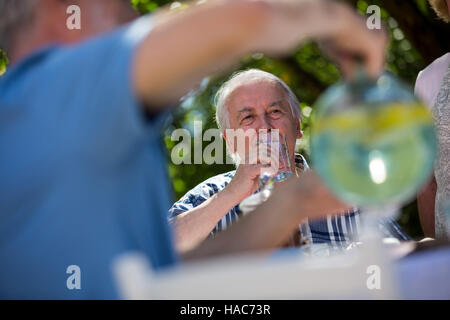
pixel 275 112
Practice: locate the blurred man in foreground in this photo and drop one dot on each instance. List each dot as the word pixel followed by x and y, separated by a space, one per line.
pixel 83 174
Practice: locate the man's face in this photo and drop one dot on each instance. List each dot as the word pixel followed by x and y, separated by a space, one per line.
pixel 263 104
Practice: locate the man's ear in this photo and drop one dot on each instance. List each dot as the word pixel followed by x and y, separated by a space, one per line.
pixel 228 143
pixel 299 132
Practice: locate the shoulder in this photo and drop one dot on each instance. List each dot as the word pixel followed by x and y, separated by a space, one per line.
pixel 80 57
pixel 429 79
pixel 438 64
pixel 202 192
pixel 216 183
pixel 17 75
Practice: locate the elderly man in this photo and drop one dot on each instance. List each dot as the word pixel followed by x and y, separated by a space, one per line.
pixel 83 178
pixel 255 99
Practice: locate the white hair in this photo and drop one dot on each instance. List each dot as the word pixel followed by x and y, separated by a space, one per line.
pixel 14 16
pixel 242 77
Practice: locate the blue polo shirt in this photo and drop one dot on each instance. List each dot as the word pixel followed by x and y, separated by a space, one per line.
pixel 82 170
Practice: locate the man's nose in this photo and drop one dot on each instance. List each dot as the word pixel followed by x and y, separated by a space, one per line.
pixel 264 123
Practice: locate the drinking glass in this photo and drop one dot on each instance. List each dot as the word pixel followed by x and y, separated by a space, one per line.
pixel 275 145
pixel 273 148
pixel 273 151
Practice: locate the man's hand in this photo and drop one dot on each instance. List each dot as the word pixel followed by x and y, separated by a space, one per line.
pixel 246 179
pixel 355 46
pixel 341 31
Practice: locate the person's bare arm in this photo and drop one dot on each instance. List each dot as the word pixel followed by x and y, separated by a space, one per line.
pixel 274 221
pixel 191 44
pixel 425 203
pixel 186 46
pixel 194 226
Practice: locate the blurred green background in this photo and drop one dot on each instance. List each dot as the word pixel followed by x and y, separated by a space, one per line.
pixel 417 38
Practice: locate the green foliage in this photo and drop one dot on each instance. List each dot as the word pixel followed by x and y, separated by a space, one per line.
pixel 3 62
pixel 145 6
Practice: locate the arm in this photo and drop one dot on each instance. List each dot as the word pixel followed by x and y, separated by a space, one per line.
pixel 425 203
pixel 274 221
pixel 185 47
pixel 426 197
pixel 193 226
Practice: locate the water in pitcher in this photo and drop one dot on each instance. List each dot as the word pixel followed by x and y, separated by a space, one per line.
pixel 373 143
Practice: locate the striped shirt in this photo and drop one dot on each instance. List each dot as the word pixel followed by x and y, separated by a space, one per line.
pixel 336 230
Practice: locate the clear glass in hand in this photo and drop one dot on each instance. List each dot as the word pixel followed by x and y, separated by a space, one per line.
pixel 273 148
pixel 273 151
